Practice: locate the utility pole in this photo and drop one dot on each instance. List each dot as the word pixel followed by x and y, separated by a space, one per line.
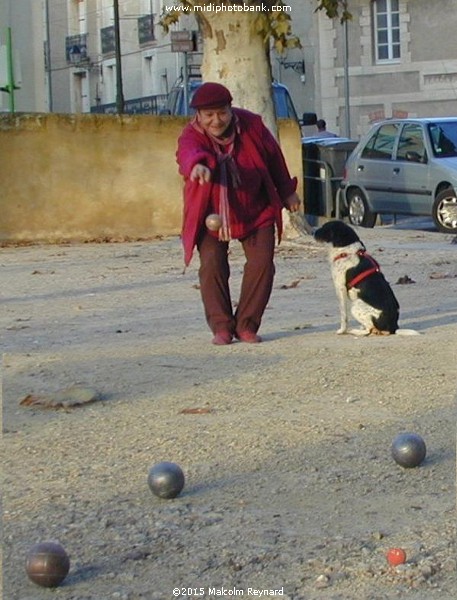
pixel 117 41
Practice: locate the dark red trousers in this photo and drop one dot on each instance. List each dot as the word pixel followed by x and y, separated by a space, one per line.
pixel 256 285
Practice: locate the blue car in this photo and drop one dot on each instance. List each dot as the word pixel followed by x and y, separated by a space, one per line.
pixel 404 167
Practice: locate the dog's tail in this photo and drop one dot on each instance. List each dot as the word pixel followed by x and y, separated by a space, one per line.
pixel 407 332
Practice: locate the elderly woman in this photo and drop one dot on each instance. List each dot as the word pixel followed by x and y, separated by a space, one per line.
pixel 233 167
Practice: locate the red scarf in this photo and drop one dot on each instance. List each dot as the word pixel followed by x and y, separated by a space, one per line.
pixel 228 169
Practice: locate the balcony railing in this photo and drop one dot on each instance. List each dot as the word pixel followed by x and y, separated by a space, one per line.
pixel 147 105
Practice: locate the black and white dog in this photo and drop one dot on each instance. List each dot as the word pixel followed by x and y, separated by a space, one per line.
pixel 359 283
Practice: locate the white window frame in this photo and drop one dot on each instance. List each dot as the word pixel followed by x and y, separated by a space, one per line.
pixel 389 12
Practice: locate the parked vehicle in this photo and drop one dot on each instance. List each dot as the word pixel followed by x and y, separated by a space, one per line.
pixel 283 104
pixel 404 166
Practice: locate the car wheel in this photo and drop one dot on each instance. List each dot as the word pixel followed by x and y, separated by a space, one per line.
pixel 444 211
pixel 359 213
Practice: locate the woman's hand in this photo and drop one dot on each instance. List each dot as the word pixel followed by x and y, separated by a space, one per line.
pixel 293 202
pixel 200 173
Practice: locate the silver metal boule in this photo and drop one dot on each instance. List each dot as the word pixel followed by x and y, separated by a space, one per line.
pixel 166 479
pixel 47 564
pixel 213 222
pixel 408 450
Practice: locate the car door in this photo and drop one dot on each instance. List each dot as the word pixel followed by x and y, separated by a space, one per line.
pixel 373 170
pixel 410 182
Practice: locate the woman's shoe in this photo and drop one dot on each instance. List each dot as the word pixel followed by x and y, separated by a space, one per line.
pixel 222 338
pixel 249 337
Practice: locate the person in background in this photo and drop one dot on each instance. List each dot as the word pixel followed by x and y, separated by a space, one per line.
pixel 232 167
pixel 322 130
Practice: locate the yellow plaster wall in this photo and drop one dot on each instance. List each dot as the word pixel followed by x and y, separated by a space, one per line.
pixel 87 177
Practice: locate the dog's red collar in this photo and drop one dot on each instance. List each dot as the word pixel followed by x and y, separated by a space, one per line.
pixel 364 274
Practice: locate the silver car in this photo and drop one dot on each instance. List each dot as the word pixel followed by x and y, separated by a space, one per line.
pixel 407 167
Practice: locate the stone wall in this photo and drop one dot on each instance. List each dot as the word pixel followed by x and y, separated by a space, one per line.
pixel 90 177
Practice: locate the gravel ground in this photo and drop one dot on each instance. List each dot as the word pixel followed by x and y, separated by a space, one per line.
pixel 290 484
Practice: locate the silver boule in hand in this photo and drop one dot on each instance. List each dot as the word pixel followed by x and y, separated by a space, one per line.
pixel 213 222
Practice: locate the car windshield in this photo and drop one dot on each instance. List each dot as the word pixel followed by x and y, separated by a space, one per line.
pixel 443 136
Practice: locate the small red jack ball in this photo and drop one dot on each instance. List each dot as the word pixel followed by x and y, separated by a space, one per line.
pixel 396 556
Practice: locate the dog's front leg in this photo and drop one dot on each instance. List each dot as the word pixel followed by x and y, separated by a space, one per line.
pixel 342 299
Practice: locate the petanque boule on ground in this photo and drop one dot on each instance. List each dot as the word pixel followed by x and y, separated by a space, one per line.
pixel 166 479
pixel 408 450
pixel 47 564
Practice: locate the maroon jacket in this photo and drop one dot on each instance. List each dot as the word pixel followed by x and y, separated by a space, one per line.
pixel 264 175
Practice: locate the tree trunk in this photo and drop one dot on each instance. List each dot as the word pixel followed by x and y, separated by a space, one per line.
pixel 237 57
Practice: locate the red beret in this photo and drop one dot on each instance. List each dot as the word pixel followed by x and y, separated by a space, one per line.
pixel 211 95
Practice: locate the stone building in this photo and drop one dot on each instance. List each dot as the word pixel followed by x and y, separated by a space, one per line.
pixel 395 57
